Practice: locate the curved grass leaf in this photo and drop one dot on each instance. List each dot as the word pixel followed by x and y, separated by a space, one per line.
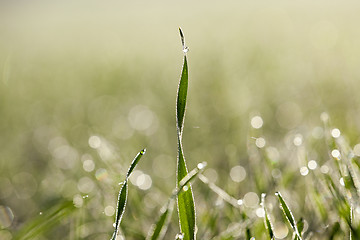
pixel 288 214
pixel 185 199
pixel 123 194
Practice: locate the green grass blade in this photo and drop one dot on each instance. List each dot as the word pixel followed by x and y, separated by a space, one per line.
pixel 122 199
pixel 288 214
pixel 159 229
pixel 45 222
pixel 185 203
pixel 185 199
pixel 181 97
pixel 267 222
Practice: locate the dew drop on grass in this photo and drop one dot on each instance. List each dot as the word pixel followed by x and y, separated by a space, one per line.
pixel 240 202
pixel 342 183
pixel 185 188
pixel 186 49
pixel 179 236
pixel 201 166
pixel 114 224
pixel 40 213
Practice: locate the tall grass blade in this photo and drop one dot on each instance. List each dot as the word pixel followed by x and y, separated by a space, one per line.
pixel 288 214
pixel 122 199
pixel 185 200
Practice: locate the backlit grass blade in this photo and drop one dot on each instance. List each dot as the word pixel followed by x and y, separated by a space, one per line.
pixel 288 214
pixel 181 97
pixel 123 194
pixel 159 229
pixel 45 222
pixel 267 222
pixel 185 200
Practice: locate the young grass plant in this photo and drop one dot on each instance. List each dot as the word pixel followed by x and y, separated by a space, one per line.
pixel 122 199
pixel 185 200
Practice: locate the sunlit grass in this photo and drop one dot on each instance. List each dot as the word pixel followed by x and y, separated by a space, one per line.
pixel 74 115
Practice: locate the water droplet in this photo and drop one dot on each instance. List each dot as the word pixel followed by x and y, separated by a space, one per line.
pixel 40 213
pixel 179 236
pixel 85 196
pixel 142 152
pixel 342 183
pixel 185 188
pixel 114 224
pixel 186 49
pixel 202 165
pixel 240 202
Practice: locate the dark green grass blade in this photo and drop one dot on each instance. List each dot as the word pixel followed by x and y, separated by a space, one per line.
pixel 185 199
pixel 181 97
pixel 45 222
pixel 122 199
pixel 288 214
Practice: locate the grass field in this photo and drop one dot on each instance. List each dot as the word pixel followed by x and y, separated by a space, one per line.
pixel 272 106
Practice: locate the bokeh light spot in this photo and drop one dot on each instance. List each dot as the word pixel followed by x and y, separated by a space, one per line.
pixel 312 164
pixel 257 122
pixel 251 199
pixel 238 173
pixel 101 174
pixel 85 185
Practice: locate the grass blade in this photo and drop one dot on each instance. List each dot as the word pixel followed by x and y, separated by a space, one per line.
pixel 185 199
pixel 46 222
pixel 288 214
pixel 267 222
pixel 158 230
pixel 181 97
pixel 122 199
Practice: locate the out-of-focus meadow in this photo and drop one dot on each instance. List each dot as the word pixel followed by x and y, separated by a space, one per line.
pixel 85 85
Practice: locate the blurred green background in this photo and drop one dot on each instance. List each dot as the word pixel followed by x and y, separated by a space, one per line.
pixel 85 85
